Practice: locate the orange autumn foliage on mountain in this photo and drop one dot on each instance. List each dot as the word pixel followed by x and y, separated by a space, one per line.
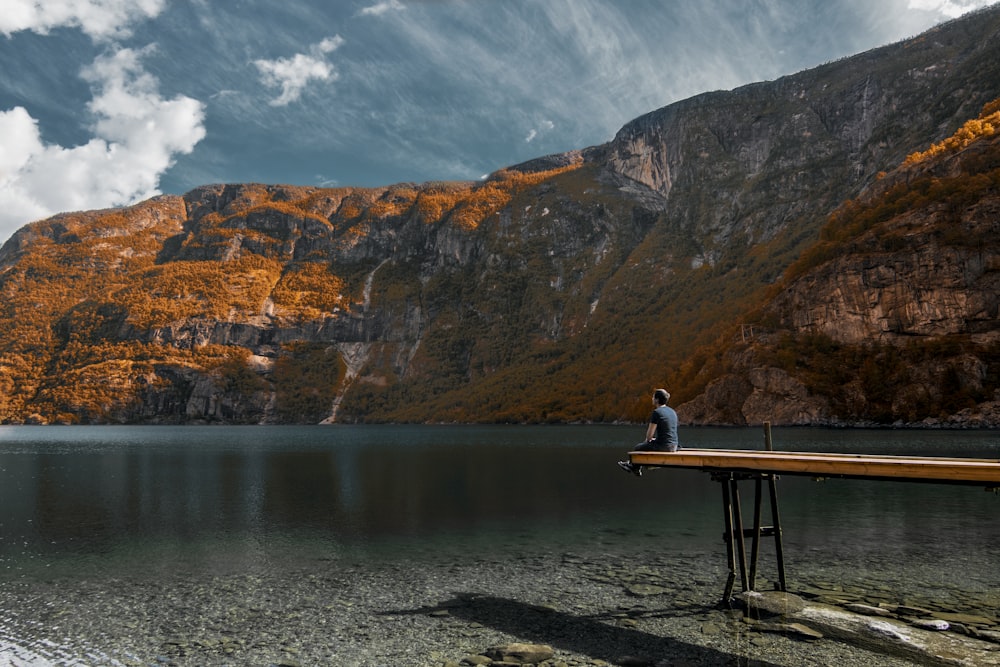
pixel 490 197
pixel 175 291
pixel 396 201
pixel 199 289
pixel 983 127
pixel 308 291
pixel 167 274
pixel 976 175
pixel 355 204
pixel 436 200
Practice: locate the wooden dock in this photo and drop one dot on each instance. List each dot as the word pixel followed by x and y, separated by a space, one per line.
pixel 818 464
pixel 731 466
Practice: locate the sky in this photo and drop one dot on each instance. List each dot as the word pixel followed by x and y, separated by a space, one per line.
pixel 108 102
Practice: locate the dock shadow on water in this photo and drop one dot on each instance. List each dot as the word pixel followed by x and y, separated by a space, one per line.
pixel 595 636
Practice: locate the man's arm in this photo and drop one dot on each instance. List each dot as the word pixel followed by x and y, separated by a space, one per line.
pixel 651 431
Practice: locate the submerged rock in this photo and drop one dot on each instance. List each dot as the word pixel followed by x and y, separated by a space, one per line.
pixel 867 609
pixel 895 637
pixel 645 590
pixel 520 654
pixel 771 603
pixel 791 629
pixel 935 624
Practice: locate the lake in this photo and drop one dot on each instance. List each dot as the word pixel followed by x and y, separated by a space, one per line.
pixel 100 503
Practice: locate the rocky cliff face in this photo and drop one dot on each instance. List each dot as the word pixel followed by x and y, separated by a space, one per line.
pixel 561 289
pixel 901 299
pixel 769 159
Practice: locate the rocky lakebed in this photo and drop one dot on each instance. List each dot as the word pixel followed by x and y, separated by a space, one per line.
pixel 552 609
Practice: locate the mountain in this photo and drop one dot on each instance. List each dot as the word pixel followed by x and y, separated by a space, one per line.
pixel 893 317
pixel 562 289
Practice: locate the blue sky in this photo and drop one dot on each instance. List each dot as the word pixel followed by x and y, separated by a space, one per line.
pixel 108 102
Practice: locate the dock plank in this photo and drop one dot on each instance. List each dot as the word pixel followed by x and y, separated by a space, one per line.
pixel 828 464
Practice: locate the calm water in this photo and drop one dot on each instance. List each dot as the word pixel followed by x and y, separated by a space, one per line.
pixel 92 500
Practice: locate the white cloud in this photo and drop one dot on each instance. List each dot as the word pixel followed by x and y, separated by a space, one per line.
pixel 294 74
pixel 330 44
pixel 137 134
pixel 381 8
pixel 544 126
pixel 949 8
pixel 100 19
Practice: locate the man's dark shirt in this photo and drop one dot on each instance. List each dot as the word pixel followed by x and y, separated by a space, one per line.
pixel 666 428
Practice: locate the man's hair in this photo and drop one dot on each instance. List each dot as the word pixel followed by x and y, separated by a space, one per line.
pixel 661 396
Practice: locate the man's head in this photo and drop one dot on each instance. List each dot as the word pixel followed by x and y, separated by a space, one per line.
pixel 661 396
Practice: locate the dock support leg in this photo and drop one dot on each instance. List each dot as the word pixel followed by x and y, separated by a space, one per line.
pixel 779 553
pixel 740 543
pixel 729 536
pixel 755 544
pixel 735 534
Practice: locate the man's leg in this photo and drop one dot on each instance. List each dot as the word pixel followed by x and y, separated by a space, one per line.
pixel 628 466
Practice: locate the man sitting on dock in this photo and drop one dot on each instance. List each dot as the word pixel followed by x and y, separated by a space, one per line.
pixel 661 434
